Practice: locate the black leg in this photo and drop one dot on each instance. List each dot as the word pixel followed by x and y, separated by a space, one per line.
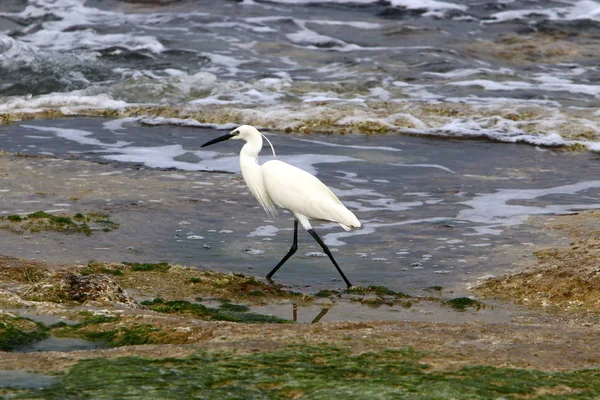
pixel 321 315
pixel 326 250
pixel 290 253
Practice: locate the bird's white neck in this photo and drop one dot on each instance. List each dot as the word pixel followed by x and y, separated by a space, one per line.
pixel 249 164
pixel 252 174
pixel 252 148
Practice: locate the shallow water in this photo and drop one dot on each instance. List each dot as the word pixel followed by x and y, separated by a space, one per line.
pixel 434 212
pixel 54 343
pixel 17 379
pixel 429 311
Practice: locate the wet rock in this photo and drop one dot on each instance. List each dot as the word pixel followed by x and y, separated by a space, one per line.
pixel 79 288
pixel 12 300
pixel 252 251
pixel 564 279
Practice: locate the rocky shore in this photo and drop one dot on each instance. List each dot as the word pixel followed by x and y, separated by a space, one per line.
pixel 158 329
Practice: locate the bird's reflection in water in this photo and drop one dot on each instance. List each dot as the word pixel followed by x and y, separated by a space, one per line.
pixel 324 310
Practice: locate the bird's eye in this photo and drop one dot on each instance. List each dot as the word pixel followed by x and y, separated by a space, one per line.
pixel 236 132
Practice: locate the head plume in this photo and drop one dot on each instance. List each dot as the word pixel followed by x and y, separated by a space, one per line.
pixel 246 131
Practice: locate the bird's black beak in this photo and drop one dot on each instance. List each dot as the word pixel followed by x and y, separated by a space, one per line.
pixel 219 139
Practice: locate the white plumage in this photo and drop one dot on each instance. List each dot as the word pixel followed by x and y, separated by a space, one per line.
pixel 278 184
pixel 306 196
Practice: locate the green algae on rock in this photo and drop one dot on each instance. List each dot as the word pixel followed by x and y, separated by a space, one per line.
pixel 328 293
pixel 160 267
pixel 42 221
pixel 376 296
pixel 109 330
pixel 14 269
pixel 462 303
pixel 378 290
pixel 107 283
pixel 226 312
pixel 310 371
pixel 176 281
pixel 18 332
pixel 115 331
pixel 564 279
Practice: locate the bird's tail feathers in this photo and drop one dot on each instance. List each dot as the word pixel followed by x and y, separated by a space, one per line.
pixel 347 219
pixel 346 228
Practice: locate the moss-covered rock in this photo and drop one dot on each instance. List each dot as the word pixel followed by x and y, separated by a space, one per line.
pixel 111 330
pixel 566 279
pixel 79 288
pixel 376 296
pixel 16 332
pixel 160 267
pixel 311 372
pixel 226 312
pixel 174 281
pixel 462 303
pixel 42 221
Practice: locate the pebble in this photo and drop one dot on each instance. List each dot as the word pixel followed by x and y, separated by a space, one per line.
pixel 253 252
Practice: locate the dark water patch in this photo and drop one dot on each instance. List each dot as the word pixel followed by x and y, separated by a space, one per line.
pixel 431 307
pixel 587 29
pixel 400 13
pixel 125 55
pixel 60 344
pixel 24 83
pixel 16 379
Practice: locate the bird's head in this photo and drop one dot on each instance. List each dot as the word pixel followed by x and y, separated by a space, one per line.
pixel 244 132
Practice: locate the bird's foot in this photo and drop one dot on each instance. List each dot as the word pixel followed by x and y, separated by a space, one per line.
pixel 271 281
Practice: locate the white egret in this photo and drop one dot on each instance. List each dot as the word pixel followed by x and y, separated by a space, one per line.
pixel 278 184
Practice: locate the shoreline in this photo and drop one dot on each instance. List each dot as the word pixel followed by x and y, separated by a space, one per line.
pixel 408 118
pixel 127 319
